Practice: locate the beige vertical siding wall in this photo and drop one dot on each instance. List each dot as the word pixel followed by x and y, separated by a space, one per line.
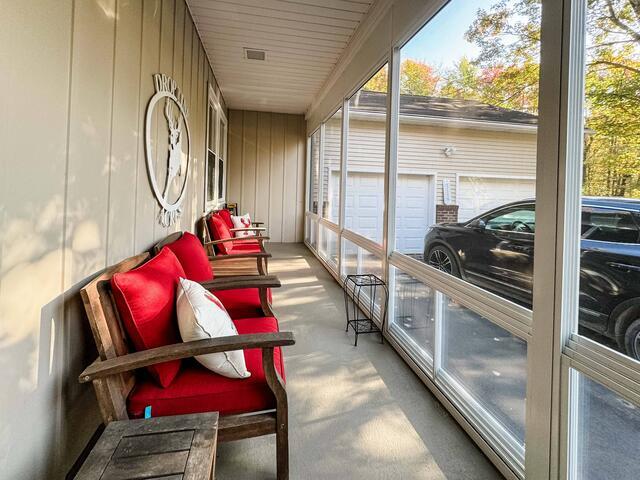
pixel 75 196
pixel 267 170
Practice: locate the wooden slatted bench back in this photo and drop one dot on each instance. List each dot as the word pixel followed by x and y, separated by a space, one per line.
pixel 166 241
pixel 202 227
pixel 110 338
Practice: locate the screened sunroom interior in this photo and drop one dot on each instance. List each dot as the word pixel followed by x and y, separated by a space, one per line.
pixel 429 147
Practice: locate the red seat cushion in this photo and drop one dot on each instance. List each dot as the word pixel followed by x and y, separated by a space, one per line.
pixel 225 214
pixel 145 298
pixel 246 247
pixel 197 389
pixel 192 257
pixel 220 231
pixel 242 303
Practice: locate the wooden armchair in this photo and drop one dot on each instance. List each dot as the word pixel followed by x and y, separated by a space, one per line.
pixel 222 243
pixel 250 263
pixel 114 378
pixel 225 214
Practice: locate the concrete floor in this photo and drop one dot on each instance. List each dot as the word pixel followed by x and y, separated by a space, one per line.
pixel 355 413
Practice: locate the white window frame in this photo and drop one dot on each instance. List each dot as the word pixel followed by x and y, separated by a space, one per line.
pixel 554 351
pixel 219 150
pixel 578 354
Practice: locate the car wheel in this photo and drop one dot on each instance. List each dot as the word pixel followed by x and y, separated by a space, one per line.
pixel 632 339
pixel 443 259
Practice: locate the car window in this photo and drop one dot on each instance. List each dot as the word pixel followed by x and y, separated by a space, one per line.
pixel 608 225
pixel 513 219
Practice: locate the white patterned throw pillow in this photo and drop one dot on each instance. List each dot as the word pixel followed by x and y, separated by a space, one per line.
pixel 201 315
pixel 242 221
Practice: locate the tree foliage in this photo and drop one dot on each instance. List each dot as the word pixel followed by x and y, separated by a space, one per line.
pixel 378 83
pixel 418 78
pixel 505 73
pixel 508 36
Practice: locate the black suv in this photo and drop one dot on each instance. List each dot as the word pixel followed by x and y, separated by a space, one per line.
pixel 495 251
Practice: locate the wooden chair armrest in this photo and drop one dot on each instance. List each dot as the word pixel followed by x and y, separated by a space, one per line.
pixel 248 229
pixel 234 256
pixel 260 238
pixel 234 239
pixel 242 281
pixel 177 351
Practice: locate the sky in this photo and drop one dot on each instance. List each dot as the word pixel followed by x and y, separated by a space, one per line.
pixel 441 42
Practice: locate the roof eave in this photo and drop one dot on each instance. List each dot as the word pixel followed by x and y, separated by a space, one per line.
pixel 451 122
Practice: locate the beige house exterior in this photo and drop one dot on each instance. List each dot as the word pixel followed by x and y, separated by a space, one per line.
pixel 450 167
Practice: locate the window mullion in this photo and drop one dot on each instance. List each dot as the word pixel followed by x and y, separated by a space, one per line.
pixel 545 346
pixel 344 139
pixel 391 170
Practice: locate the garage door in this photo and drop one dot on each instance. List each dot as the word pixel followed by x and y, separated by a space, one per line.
pixel 476 195
pixel 414 200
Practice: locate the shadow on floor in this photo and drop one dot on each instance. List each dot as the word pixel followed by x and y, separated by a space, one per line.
pixel 355 412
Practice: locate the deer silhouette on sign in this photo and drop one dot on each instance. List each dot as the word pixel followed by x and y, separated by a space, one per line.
pixel 174 164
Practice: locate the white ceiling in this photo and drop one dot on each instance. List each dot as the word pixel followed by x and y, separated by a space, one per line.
pixel 303 40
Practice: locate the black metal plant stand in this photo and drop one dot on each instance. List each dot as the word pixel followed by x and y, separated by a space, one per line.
pixel 360 293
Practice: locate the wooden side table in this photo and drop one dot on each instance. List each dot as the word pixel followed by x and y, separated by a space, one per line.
pixel 177 447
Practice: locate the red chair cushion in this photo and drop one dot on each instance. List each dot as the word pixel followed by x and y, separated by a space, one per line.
pixel 192 257
pixel 242 302
pixel 145 298
pixel 246 247
pixel 220 231
pixel 225 214
pixel 197 389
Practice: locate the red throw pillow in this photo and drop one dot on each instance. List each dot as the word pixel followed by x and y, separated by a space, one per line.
pixel 192 257
pixel 146 300
pixel 225 215
pixel 220 231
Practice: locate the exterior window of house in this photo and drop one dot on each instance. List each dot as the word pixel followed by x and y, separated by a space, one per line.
pixel 463 215
pixel 357 260
pixel 464 207
pixel 366 158
pixel 467 137
pixel 210 178
pixel 606 431
pixel 328 248
pixel 606 227
pixel 414 316
pixel 215 162
pixel 495 391
pixel 222 161
pixel 331 168
pixel 314 169
pixel 602 257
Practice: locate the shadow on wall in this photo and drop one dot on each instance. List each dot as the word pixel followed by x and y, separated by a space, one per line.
pixel 46 416
pixel 41 393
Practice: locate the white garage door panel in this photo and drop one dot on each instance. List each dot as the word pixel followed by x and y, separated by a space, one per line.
pixel 415 206
pixel 415 211
pixel 476 195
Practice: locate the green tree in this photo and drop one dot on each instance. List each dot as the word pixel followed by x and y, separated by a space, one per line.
pixel 508 37
pixel 378 83
pixel 462 81
pixel 418 78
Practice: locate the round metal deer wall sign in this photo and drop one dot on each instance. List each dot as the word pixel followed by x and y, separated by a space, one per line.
pixel 170 99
